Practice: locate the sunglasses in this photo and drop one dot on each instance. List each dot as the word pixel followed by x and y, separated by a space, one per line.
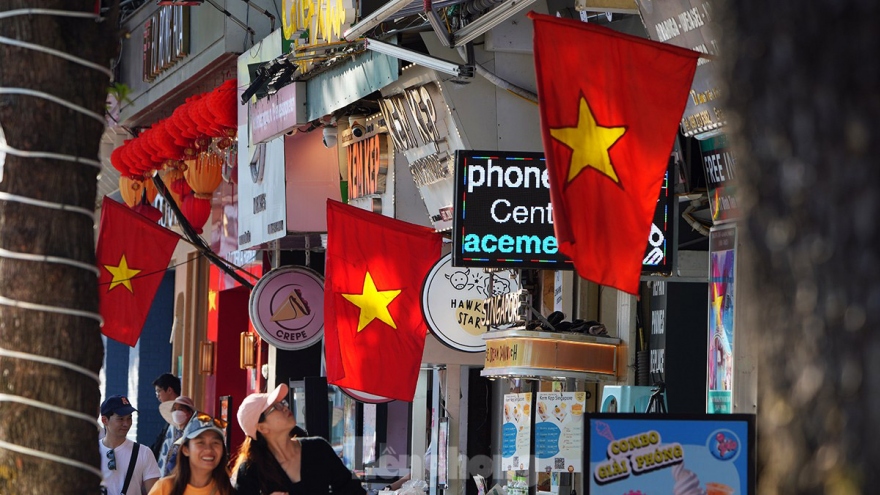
pixel 111 463
pixel 208 420
pixel 274 407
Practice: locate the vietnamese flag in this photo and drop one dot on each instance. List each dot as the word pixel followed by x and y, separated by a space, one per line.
pixel 132 255
pixel 610 105
pixel 374 330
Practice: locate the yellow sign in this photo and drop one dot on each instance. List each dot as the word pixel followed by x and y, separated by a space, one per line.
pixel 551 354
pixel 308 22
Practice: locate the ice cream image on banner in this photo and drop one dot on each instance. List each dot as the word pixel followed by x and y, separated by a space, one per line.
pixel 686 482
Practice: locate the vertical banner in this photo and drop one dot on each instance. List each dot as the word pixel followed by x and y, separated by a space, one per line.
pixel 516 432
pixel 657 341
pixel 559 432
pixel 722 268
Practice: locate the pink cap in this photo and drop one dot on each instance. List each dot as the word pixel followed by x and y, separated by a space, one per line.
pixel 256 404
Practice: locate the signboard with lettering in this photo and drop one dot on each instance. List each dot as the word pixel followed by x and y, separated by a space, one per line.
pixel 287 307
pixel 719 165
pixel 516 431
pixel 559 432
pixel 670 454
pixel 691 24
pixel 278 113
pixel 657 341
pixel 421 128
pixel 311 22
pixel 368 161
pixel 503 215
pixel 453 302
pixel 504 218
pixel 262 212
pixel 166 40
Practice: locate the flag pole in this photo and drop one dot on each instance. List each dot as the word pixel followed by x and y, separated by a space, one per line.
pixel 193 238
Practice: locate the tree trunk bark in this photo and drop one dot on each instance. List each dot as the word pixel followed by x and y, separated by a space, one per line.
pixel 803 91
pixel 37 124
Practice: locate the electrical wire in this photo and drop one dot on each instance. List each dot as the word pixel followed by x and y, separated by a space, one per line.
pixel 4 253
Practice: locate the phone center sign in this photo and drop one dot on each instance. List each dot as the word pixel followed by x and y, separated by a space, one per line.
pixel 504 217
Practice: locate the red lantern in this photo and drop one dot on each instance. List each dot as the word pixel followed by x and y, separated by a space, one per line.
pixel 196 210
pixel 223 104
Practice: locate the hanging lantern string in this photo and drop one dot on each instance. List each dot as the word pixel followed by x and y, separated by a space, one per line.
pixel 4 147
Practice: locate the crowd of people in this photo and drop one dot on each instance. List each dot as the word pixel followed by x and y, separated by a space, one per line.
pixel 189 457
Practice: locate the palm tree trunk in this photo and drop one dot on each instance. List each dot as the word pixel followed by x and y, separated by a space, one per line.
pixel 38 124
pixel 803 87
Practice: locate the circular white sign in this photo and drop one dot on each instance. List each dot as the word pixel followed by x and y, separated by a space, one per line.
pixel 287 307
pixel 452 302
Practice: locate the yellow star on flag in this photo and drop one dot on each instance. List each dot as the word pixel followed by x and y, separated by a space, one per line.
pixel 122 274
pixel 373 303
pixel 589 142
pixel 212 300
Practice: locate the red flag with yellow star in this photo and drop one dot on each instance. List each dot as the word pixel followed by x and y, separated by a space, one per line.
pixel 132 254
pixel 610 104
pixel 374 330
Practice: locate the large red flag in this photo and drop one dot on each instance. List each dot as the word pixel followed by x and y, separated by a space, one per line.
pixel 374 330
pixel 610 104
pixel 132 254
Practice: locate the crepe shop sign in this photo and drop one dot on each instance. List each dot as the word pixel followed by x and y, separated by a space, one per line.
pixel 637 454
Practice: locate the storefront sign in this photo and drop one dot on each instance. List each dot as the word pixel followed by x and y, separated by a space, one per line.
pixel 508 310
pixel 503 215
pixel 311 21
pixel 559 432
pixel 516 432
pixel 667 453
pixel 722 278
pixel 262 212
pixel 166 40
pixel 421 128
pixel 516 349
pixel 453 302
pixel 657 341
pixel 276 114
pixel 287 307
pixel 719 165
pixel 368 161
pixel 691 24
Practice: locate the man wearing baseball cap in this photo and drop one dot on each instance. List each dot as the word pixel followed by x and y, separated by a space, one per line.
pixel 127 466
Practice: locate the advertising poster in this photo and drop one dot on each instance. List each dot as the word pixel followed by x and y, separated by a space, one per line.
pixel 559 431
pixel 722 265
pixel 671 454
pixel 515 432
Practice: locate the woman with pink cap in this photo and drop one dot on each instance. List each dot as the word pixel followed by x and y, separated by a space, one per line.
pixel 272 460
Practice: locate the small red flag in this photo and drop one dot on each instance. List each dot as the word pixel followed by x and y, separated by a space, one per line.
pixel 132 254
pixel 374 330
pixel 610 104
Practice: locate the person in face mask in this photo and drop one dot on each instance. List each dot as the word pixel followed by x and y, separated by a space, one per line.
pixel 178 413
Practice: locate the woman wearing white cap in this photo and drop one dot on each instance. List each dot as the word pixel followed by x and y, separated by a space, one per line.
pixel 272 461
pixel 178 413
pixel 201 461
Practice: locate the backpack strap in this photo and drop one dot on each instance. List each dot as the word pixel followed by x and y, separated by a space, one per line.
pixel 131 464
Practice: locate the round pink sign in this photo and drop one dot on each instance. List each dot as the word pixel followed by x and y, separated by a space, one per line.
pixel 287 307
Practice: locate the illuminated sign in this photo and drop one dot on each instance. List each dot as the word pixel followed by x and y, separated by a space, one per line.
pixel 540 354
pixel 503 216
pixel 166 40
pixel 504 310
pixel 367 166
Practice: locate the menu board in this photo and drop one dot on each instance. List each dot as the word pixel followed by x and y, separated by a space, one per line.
pixel 516 431
pixel 671 453
pixel 559 431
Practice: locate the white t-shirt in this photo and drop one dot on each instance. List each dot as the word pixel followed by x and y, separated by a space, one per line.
pixel 145 469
